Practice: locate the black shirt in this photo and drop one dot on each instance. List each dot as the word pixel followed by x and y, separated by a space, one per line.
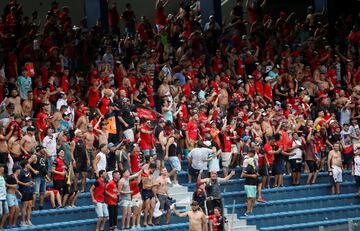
pixel 40 165
pixel 249 180
pixel 111 161
pixel 125 113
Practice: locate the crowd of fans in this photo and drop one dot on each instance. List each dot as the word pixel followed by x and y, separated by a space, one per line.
pixel 267 93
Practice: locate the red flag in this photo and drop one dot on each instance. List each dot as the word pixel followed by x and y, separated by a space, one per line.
pixel 146 114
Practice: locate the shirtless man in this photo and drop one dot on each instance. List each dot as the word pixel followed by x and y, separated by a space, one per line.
pixel 148 195
pixel 82 122
pixel 335 168
pixel 223 97
pixel 103 135
pixel 57 117
pixel 197 218
pixel 28 105
pixel 266 127
pixel 28 142
pixel 4 151
pixel 16 100
pixel 89 138
pixel 14 146
pixel 164 89
pixel 162 195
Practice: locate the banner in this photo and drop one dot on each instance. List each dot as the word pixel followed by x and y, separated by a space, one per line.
pixel 146 114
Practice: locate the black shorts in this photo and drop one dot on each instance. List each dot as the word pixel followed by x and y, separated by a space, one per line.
pixel 271 170
pixel 61 186
pixel 347 158
pixel 312 165
pixel 147 194
pixel 159 152
pixel 357 180
pixel 27 196
pixel 263 171
pixel 279 167
pixel 193 171
pixel 164 202
pixel 81 166
pixel 296 165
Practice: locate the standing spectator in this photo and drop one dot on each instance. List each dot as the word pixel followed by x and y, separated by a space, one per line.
pixel 59 170
pixel 197 218
pixel 39 165
pixel 251 177
pixel 217 220
pixel 146 138
pixel 335 168
pixel 129 18
pixel 126 118
pixel 356 169
pixel 12 185
pixel 82 160
pixel 198 160
pixel 162 195
pixel 26 187
pixel 24 84
pixel 50 144
pixel 136 202
pixel 100 159
pixel 213 191
pixel 4 209
pixel 147 194
pixel 98 192
pixel 296 158
pixel 125 197
pixel 111 198
pixel 310 157
pixel 171 154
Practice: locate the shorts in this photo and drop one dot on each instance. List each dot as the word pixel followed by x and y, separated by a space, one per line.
pixel 312 165
pixel 175 163
pixel 296 165
pixel 126 203
pixel 347 158
pixel 279 167
pixel 271 170
pixel 357 180
pixel 250 191
pixel 263 171
pixel 337 174
pixel 136 202
pixel 147 194
pixel 159 152
pixel 27 196
pixel 40 184
pixel 234 149
pixel 12 200
pixel 4 209
pixel 226 159
pixel 81 166
pixel 129 134
pixel 61 186
pixel 101 210
pixel 148 152
pixel 164 202
pixel 51 160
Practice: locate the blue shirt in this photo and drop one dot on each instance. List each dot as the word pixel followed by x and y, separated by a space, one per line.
pixel 24 83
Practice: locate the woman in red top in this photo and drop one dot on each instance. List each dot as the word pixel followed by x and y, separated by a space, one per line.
pixel 59 176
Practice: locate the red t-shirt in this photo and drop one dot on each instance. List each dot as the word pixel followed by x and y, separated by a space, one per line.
pixel 135 162
pixel 59 166
pixel 146 139
pixel 134 187
pixel 269 157
pixel 111 188
pixel 104 105
pixel 227 142
pixel 192 129
pixel 99 190
pixel 94 96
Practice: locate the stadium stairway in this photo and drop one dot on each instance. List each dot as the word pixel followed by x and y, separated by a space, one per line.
pixel 304 207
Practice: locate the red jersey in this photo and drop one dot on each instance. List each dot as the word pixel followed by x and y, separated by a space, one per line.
pixel 134 187
pixel 269 157
pixel 104 105
pixel 227 143
pixel 135 162
pixel 59 166
pixel 94 96
pixel 111 188
pixel 99 190
pixel 146 141
pixel 192 129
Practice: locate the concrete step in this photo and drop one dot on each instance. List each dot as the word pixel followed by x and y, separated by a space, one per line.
pixel 244 228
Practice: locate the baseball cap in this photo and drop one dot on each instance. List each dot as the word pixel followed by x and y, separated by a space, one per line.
pixel 111 145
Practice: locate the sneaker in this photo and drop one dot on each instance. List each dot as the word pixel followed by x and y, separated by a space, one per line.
pixel 246 214
pixel 139 226
pixel 41 207
pixel 261 200
pixel 29 223
pixel 23 224
pixel 169 181
pixel 176 185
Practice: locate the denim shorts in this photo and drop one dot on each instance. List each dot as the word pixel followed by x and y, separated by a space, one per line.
pixel 4 209
pixel 175 163
pixel 12 200
pixel 101 210
pixel 40 184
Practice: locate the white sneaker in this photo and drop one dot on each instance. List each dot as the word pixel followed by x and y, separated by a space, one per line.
pixel 176 185
pixel 29 223
pixel 23 224
pixel 169 181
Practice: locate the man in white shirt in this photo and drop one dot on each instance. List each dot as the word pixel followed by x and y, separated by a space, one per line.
pixel 296 158
pixel 49 143
pixel 100 159
pixel 198 160
pixel 61 101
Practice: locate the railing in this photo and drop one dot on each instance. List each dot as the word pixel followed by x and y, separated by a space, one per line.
pixel 349 226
